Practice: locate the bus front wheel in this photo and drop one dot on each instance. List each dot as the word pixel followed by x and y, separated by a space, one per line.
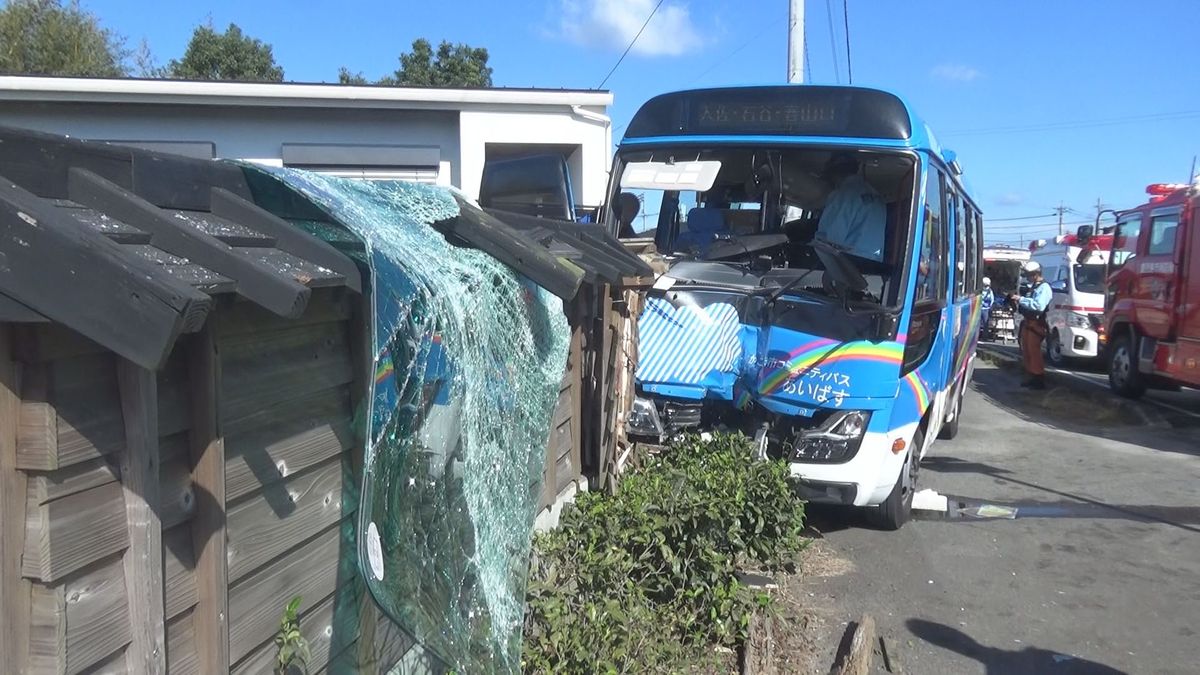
pixel 896 510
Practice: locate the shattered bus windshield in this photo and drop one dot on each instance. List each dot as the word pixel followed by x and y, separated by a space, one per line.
pixel 744 204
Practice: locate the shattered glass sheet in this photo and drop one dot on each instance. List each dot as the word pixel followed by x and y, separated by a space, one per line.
pixel 468 359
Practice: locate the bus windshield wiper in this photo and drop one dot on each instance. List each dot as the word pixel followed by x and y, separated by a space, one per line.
pixel 775 294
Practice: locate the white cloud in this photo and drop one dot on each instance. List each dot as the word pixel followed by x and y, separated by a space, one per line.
pixel 955 73
pixel 614 23
pixel 1010 199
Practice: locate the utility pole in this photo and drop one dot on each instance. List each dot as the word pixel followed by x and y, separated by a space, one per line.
pixel 1061 209
pixel 795 72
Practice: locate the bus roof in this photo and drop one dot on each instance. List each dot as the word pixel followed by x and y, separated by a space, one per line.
pixel 782 112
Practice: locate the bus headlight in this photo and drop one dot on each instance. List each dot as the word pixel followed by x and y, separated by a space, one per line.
pixel 643 419
pixel 836 440
pixel 1077 320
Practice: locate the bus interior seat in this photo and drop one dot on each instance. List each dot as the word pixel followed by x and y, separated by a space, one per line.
pixel 703 226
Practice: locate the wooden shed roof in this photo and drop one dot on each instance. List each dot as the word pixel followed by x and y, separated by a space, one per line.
pixel 128 246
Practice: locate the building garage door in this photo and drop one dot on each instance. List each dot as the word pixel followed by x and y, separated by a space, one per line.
pixel 417 164
pixel 416 174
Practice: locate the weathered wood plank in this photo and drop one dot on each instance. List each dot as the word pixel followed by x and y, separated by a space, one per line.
pixel 316 625
pixel 255 281
pixel 289 237
pixel 177 501
pixel 96 615
pixel 257 601
pixel 273 443
pixel 211 615
pixel 47 629
pixel 182 658
pixel 51 342
pixel 143 560
pixel 14 589
pixel 251 380
pixel 272 521
pixel 37 429
pixel 85 421
pixel 113 665
pixel 116 300
pixel 66 534
pixel 325 306
pixel 179 577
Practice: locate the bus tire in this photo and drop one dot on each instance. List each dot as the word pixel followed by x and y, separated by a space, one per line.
pixel 950 429
pixel 896 510
pixel 1124 377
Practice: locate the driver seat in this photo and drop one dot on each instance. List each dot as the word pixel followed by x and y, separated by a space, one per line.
pixel 704 224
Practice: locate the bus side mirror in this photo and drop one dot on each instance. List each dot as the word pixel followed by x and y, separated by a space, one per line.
pixel 1084 233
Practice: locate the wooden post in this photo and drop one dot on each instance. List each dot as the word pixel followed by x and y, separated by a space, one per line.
pixel 147 650
pixel 14 588
pixel 210 618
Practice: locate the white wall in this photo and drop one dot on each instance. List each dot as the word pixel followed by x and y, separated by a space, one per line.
pixel 258 133
pixel 589 175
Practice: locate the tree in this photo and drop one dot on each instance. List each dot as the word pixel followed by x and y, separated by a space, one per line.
pixel 457 65
pixel 53 37
pixel 347 77
pixel 231 55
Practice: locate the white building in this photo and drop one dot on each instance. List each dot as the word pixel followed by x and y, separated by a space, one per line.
pixel 440 136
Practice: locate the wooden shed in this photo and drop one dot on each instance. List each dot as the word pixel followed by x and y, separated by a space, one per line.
pixel 180 368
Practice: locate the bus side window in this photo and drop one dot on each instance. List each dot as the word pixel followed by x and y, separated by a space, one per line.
pixel 978 249
pixel 931 273
pixel 960 248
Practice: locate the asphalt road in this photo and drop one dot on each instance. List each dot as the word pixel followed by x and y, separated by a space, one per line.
pixel 1185 402
pixel 1098 572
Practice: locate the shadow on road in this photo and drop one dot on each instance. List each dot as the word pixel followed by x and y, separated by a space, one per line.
pixel 1182 517
pixel 1097 414
pixel 1002 661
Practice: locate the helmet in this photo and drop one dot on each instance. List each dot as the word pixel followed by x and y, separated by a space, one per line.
pixel 987 281
pixel 1030 268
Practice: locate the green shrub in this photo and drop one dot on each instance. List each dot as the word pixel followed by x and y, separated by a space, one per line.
pixel 643 580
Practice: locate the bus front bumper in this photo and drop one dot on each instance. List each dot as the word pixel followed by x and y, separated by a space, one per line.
pixel 865 480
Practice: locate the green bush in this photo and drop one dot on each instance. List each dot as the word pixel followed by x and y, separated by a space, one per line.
pixel 643 580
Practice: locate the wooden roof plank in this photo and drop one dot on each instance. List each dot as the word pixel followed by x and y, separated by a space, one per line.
pixel 288 237
pixel 281 295
pixel 77 277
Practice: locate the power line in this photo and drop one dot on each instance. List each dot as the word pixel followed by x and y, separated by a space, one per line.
pixel 846 18
pixel 837 69
pixel 725 59
pixel 1001 220
pixel 631 43
pixel 1083 124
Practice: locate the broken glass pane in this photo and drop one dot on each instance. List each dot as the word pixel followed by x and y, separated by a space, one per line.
pixel 468 359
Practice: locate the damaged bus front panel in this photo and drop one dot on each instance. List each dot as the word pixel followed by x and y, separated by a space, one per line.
pixel 823 285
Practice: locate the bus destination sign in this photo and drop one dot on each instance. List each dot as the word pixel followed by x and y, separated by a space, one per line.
pixel 788 117
pixel 809 110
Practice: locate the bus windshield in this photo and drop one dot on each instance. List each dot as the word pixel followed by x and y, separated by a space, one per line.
pixel 777 203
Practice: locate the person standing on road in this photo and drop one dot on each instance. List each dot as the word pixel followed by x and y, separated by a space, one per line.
pixel 987 299
pixel 1033 328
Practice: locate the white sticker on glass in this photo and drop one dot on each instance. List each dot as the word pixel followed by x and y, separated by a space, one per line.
pixel 374 551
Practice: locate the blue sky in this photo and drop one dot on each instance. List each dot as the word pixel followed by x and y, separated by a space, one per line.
pixel 1035 96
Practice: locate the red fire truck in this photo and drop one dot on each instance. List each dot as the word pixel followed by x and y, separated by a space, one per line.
pixel 1152 309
